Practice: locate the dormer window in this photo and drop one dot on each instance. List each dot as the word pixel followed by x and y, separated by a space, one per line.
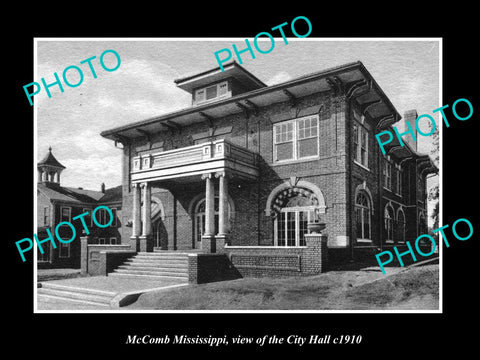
pixel 213 92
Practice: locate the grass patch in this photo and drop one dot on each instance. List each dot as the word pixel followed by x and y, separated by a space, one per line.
pixel 414 288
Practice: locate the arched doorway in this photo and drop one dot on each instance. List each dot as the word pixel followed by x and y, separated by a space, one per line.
pixel 159 233
pixel 293 207
pixel 198 216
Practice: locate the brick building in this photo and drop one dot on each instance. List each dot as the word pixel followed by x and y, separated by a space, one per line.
pixel 253 165
pixel 56 203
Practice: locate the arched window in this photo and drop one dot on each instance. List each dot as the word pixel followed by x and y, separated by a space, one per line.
pixel 363 217
pixel 296 209
pixel 400 226
pixel 422 224
pixel 389 218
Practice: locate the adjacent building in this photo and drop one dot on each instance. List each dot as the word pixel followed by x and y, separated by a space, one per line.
pixel 253 165
pixel 56 203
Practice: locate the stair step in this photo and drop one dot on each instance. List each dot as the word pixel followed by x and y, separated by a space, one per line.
pixel 157 263
pixel 50 285
pixel 152 272
pixel 159 277
pixel 154 267
pixel 84 295
pixel 161 257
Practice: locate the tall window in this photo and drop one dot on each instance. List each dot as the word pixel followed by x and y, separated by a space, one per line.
pixel 296 139
pixel 360 145
pixel 387 173
pixel 65 214
pixel 398 185
pixel 46 217
pixel 363 217
pixel 64 250
pixel 388 223
pixel 400 226
pixel 291 226
pixel 88 217
pixel 295 209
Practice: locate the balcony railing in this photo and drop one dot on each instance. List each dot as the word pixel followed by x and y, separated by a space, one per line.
pixel 218 155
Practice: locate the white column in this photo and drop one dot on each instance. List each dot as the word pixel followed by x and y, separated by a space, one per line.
pixel 209 205
pixel 223 204
pixel 40 173
pixel 147 210
pixel 136 210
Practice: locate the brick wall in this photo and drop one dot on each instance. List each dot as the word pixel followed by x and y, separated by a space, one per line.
pixel 101 259
pixel 259 261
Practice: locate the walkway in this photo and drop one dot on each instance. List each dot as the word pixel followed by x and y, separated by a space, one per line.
pixel 97 292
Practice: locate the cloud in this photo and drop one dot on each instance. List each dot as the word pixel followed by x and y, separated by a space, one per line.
pixel 89 172
pixel 278 78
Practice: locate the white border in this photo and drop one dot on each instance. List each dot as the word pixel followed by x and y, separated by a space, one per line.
pixel 35 150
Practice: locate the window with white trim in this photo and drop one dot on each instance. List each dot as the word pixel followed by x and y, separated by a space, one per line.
pixel 114 215
pixel 87 218
pixel 46 216
pixel 387 173
pixel 398 185
pixel 65 213
pixel 360 145
pixel 296 139
pixel 64 250
pixel 388 218
pixel 291 226
pixel 400 226
pixel 363 217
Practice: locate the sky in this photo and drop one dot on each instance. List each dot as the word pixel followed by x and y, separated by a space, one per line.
pixel 143 86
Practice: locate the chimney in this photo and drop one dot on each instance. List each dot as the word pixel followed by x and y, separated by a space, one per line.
pixel 103 188
pixel 410 116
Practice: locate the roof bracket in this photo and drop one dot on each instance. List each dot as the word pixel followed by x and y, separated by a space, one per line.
pixel 147 135
pixel 244 109
pixel 252 106
pixel 339 84
pixel 122 139
pixel 364 107
pixel 385 121
pixel 172 126
pixel 291 97
pixel 208 118
pixel 366 84
pixel 353 86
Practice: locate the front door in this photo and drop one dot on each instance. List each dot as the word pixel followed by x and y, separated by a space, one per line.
pixel 199 222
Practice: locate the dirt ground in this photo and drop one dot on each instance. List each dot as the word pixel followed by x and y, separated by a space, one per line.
pixel 414 288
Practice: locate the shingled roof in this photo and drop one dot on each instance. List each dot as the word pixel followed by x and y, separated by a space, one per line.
pixel 49 159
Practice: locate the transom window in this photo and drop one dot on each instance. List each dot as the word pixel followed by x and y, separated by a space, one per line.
pixel 296 139
pixel 363 217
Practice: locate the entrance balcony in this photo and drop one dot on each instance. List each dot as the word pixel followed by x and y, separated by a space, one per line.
pixel 193 161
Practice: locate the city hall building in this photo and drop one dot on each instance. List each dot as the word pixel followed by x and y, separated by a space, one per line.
pixel 248 170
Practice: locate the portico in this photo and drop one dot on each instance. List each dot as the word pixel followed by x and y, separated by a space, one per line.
pixel 212 162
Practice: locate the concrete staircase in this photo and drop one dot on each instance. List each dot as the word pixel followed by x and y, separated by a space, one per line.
pixel 155 265
pixel 77 295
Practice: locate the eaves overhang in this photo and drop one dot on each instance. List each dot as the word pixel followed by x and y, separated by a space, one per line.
pixel 351 80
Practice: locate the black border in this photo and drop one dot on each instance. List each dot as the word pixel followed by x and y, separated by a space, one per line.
pixel 383 334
